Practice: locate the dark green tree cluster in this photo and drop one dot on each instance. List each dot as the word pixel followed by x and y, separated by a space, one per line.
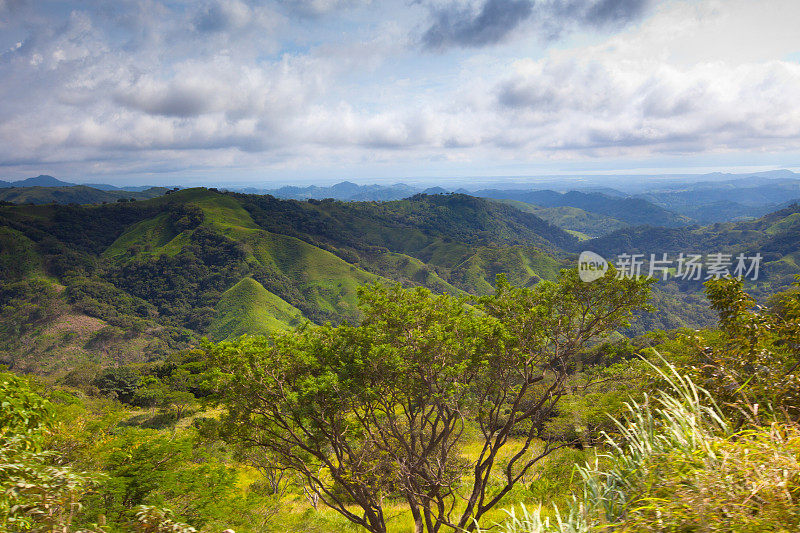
pixel 185 288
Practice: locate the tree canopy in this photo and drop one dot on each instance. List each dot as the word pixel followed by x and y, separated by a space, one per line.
pixel 381 409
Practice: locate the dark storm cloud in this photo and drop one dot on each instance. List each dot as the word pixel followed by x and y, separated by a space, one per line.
pixel 222 16
pixel 171 103
pixel 458 26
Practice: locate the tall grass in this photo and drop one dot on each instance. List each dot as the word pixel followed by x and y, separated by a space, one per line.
pixel 677 465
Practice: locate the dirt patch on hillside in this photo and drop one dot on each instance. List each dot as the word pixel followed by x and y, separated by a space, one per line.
pixel 81 324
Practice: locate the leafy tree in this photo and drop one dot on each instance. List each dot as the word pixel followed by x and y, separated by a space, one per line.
pixel 146 467
pixel 36 492
pixel 24 304
pixel 381 410
pixel 753 360
pixel 118 382
pixel 186 216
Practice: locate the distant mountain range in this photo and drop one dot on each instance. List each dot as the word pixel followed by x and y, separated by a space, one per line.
pixel 44 180
pixel 633 211
pixel 586 211
pixel 669 201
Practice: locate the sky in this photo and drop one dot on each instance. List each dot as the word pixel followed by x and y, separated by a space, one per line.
pixel 316 91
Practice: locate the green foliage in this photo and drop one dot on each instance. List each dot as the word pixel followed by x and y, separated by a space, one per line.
pixel 360 412
pixel 521 265
pixel 24 304
pixel 24 416
pixel 404 226
pixel 678 465
pixel 103 300
pixel 18 256
pixel 185 216
pixel 36 493
pixel 150 519
pixel 144 467
pixel 751 363
pixel 188 285
pixel 119 383
pixel 572 218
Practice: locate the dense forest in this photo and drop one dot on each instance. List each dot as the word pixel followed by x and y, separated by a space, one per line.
pixel 206 360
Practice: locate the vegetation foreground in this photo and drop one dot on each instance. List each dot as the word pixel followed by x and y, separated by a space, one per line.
pixel 434 413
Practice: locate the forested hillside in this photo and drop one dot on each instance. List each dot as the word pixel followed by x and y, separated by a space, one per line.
pixel 74 194
pixel 135 281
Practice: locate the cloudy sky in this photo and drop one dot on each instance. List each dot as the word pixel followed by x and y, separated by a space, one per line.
pixel 232 91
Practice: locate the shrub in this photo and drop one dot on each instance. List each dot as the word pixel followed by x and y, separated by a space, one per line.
pixel 677 465
pixel 36 492
pixel 118 382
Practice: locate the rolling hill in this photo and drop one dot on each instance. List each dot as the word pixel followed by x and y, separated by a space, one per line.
pixel 776 237
pixel 136 280
pixel 632 211
pixel 728 200
pixel 248 307
pixel 582 224
pixel 72 194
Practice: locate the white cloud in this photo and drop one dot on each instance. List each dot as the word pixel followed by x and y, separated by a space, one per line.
pixel 131 85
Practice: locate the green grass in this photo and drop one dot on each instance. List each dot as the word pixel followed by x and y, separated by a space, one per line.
pixel 224 212
pixel 18 256
pixel 328 281
pixel 784 224
pixel 677 464
pixel 579 235
pixel 151 235
pixel 412 270
pixel 523 266
pixel 155 236
pixel 249 308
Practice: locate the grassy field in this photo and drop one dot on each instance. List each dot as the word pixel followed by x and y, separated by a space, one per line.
pixel 522 265
pixel 549 482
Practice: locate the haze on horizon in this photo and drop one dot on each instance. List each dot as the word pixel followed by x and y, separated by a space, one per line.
pixel 382 91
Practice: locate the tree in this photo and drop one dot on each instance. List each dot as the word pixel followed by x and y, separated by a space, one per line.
pixel 36 492
pixel 753 360
pixel 382 410
pixel 118 382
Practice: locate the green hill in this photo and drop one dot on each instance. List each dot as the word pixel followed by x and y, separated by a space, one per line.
pixel 75 194
pixel 139 279
pixel 407 270
pixel 523 266
pixel 326 284
pixel 776 237
pixel 135 280
pixel 406 226
pixel 572 219
pixel 248 307
pixel 630 210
